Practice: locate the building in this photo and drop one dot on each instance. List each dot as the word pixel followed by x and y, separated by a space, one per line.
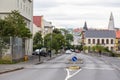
pixel 105 38
pixel 25 7
pixel 117 44
pixel 111 25
pixel 77 36
pixel 85 28
pixel 37 24
pixel 36 29
pixel 46 27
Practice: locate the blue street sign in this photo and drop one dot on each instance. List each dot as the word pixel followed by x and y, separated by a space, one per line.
pixel 74 59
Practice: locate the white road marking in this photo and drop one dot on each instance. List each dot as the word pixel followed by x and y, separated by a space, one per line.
pixel 68 73
pixel 115 66
pixel 99 68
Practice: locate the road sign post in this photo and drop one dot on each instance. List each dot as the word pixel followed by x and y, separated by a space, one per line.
pixel 74 59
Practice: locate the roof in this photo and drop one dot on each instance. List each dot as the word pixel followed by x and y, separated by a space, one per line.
pixel 37 20
pixel 77 30
pixel 100 34
pixel 118 34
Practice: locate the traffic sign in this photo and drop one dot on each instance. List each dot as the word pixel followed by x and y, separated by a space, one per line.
pixel 74 59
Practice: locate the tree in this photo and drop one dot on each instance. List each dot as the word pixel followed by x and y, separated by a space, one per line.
pixel 57 31
pixel 54 41
pixel 37 41
pixel 69 38
pixel 85 48
pixel 64 31
pixel 16 26
pixel 13 26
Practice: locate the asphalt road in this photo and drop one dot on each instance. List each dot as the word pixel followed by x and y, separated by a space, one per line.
pixel 93 68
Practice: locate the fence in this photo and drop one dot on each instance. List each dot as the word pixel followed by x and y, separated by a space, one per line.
pixel 14 47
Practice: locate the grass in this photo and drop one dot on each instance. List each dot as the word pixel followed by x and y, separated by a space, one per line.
pixel 6 62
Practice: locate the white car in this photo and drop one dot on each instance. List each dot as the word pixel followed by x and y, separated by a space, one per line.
pixel 36 52
pixel 68 52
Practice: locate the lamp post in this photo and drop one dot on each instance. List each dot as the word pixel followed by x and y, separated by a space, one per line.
pixel 51 41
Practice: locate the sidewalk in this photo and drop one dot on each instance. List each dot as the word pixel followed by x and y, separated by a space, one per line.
pixel 5 68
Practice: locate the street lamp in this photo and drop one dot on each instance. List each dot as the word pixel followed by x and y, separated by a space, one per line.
pixel 51 40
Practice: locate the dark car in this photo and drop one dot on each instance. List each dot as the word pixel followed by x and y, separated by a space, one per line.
pixel 44 53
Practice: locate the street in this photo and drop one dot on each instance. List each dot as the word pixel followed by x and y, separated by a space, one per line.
pixel 93 68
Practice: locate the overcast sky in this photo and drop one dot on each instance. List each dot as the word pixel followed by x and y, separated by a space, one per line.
pixel 73 13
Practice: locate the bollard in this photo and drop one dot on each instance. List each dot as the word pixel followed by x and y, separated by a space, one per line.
pixel 25 58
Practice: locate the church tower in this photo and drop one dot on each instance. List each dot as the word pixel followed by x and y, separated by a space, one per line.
pixel 85 26
pixel 111 22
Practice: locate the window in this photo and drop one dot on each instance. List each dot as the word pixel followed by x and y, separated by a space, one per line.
pixel 89 41
pixel 29 11
pixel 102 41
pixel 93 41
pixel 111 41
pixel 98 41
pixel 18 3
pixel 118 40
pixel 24 7
pixel 107 41
pixel 112 48
pixel 21 5
pixel 119 48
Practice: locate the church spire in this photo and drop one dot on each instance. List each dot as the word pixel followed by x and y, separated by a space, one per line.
pixel 111 22
pixel 85 26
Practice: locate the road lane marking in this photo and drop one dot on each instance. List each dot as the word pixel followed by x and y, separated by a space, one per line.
pixel 98 68
pixel 68 73
pixel 115 66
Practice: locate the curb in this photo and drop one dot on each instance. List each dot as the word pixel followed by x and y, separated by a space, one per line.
pixel 39 63
pixel 16 69
pixel 47 60
pixel 12 70
pixel 74 67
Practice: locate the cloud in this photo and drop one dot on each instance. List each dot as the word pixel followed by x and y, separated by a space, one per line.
pixel 45 3
pixel 106 3
pixel 73 13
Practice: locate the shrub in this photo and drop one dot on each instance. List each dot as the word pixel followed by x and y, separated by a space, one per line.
pixel 6 62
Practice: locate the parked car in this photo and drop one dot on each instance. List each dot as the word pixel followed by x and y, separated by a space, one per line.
pixel 77 51
pixel 68 52
pixel 41 52
pixel 44 53
pixel 36 52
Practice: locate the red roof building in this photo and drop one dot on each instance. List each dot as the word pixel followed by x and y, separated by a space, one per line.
pixel 77 30
pixel 118 34
pixel 37 20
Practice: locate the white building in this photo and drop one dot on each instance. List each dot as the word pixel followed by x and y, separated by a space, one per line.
pixel 25 7
pixel 76 36
pixel 36 29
